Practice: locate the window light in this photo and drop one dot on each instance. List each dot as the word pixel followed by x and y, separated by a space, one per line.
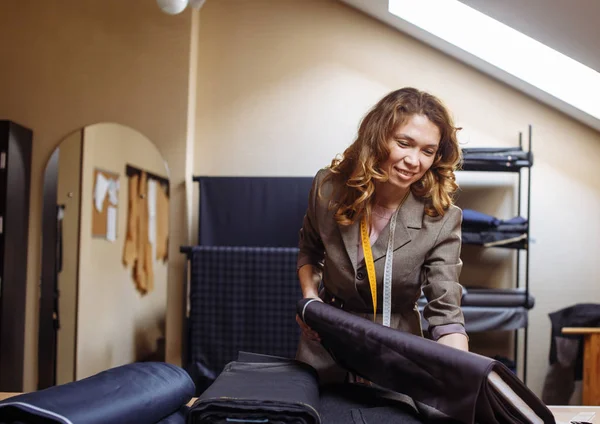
pixel 505 48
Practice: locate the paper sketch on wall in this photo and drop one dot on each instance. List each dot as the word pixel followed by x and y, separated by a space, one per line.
pixel 147 227
pixel 106 199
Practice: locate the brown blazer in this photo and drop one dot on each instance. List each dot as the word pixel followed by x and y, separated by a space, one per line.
pixel 426 257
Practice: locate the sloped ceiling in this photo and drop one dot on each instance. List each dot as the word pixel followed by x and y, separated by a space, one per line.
pixel 570 27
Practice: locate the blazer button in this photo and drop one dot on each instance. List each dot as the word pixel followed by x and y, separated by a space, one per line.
pixel 360 275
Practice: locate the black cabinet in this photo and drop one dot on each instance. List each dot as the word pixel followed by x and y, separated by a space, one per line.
pixel 15 177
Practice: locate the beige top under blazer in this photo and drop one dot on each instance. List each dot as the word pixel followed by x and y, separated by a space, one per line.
pixel 426 257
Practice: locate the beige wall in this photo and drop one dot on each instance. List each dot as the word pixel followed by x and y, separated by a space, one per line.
pixel 68 64
pixel 282 85
pixel 116 325
pixel 68 194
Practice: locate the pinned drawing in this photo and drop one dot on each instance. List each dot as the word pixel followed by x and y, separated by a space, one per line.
pixel 105 210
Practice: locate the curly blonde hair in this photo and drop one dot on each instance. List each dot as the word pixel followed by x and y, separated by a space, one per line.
pixel 360 165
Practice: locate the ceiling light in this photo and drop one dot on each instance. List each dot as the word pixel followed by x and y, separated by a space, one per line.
pixel 172 7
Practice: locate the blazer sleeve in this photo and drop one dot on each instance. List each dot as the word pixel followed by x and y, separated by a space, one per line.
pixel 312 250
pixel 442 269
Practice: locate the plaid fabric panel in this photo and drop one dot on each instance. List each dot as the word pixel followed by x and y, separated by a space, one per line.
pixel 242 298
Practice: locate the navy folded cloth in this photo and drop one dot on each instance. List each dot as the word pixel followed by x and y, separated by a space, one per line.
pixel 138 393
pixel 260 389
pixel 463 386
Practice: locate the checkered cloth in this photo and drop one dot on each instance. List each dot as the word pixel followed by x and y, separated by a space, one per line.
pixel 242 298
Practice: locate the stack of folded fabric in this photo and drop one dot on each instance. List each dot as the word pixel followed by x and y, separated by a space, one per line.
pixel 139 393
pixel 495 158
pixel 260 389
pixel 486 230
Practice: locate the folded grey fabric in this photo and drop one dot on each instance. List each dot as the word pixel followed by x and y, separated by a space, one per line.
pixel 260 389
pixel 463 386
pixel 138 393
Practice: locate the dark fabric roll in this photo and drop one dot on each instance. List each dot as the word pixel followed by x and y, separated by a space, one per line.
pixel 139 393
pixel 259 390
pixel 463 386
pixel 177 417
pixel 491 297
pixel 497 297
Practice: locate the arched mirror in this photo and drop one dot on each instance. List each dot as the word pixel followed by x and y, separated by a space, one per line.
pixel 104 254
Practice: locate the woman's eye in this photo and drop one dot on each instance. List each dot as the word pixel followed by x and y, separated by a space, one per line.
pixel 429 152
pixel 402 143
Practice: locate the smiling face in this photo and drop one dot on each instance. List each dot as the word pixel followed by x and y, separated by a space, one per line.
pixel 413 147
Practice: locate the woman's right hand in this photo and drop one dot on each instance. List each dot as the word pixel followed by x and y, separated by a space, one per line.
pixel 308 332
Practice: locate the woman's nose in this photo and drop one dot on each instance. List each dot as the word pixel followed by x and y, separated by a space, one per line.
pixel 411 159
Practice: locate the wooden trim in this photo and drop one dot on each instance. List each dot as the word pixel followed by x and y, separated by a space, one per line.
pixel 580 330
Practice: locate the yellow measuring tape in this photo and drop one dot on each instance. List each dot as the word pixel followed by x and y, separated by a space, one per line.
pixel 366 244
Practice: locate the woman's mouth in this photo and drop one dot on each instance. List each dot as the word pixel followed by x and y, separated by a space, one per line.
pixel 404 173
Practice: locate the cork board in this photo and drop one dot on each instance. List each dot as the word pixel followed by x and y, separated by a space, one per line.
pixel 105 204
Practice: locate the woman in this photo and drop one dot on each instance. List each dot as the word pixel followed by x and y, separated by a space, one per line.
pixel 387 200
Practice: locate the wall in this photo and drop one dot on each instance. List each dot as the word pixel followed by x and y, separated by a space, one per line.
pixel 68 64
pixel 283 84
pixel 116 324
pixel 68 194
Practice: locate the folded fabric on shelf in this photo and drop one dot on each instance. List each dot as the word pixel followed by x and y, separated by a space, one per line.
pixel 475 220
pixel 495 159
pixel 494 238
pixel 488 231
pixel 479 296
pixel 497 297
pixel 260 389
pixel 138 393
pixel 461 385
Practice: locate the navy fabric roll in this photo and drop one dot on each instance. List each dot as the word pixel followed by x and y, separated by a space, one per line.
pixel 256 389
pixel 177 417
pixel 139 393
pixel 463 386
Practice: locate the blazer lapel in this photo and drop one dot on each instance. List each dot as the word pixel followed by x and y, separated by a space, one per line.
pixel 350 238
pixel 409 216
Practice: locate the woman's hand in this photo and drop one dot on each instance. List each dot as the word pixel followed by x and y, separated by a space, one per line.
pixel 308 332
